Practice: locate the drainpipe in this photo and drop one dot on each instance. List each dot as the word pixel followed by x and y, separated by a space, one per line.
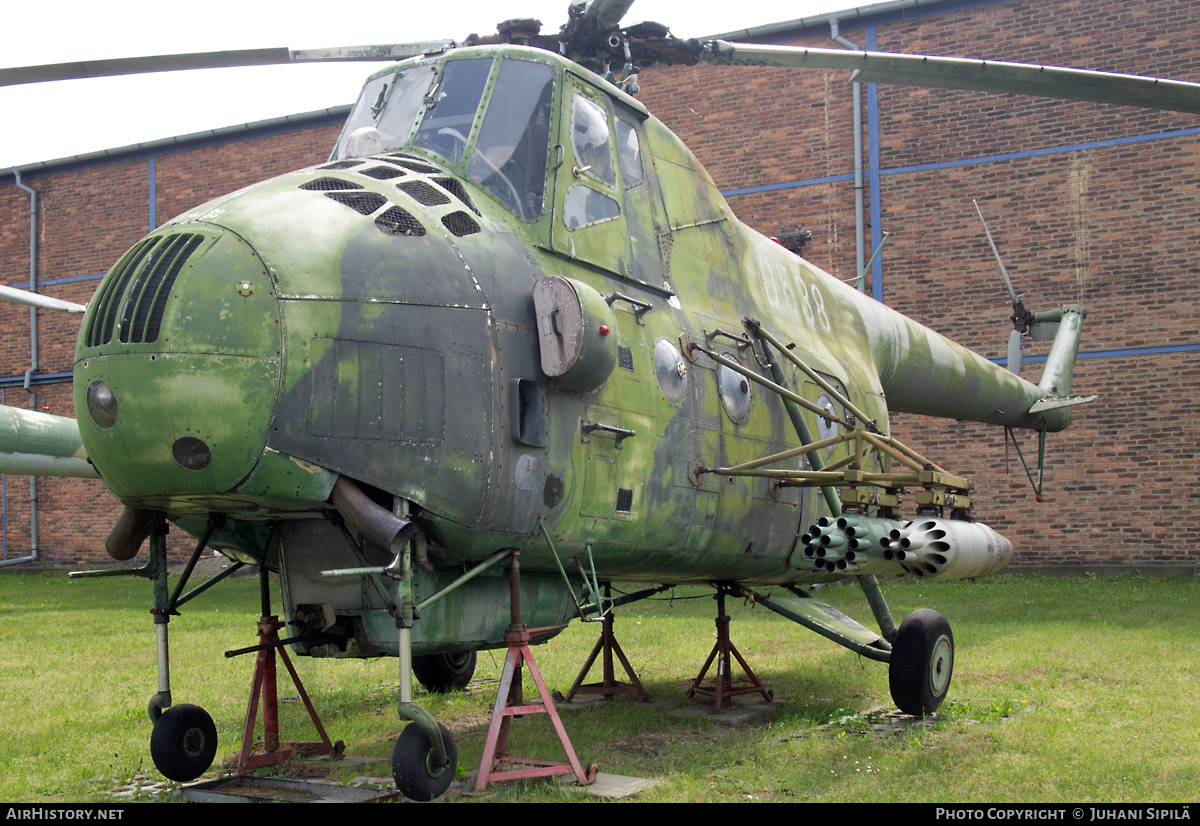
pixel 33 360
pixel 859 223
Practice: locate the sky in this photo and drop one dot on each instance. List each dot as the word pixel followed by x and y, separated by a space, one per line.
pixel 47 121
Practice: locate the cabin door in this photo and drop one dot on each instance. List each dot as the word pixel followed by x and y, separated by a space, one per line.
pixel 589 224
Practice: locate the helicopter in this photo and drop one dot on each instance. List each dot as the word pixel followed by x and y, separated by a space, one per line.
pixel 513 316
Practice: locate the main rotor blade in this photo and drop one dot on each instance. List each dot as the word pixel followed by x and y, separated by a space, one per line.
pixel 211 60
pixel 971 75
pixel 607 13
pixel 12 295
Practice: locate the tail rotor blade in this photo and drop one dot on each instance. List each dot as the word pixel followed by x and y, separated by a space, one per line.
pixel 1016 349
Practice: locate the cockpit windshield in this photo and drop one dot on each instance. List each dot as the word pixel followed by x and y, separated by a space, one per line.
pixel 508 156
pixel 390 104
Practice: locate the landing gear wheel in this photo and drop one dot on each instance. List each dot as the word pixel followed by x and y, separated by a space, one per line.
pixel 412 764
pixel 440 673
pixel 184 742
pixel 922 662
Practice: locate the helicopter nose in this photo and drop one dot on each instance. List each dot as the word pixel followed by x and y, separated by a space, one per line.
pixel 177 367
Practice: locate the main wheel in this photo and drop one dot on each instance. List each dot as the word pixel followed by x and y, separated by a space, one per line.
pixel 440 673
pixel 922 662
pixel 184 742
pixel 412 764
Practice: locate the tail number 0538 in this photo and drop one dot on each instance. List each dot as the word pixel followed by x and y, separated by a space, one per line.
pixel 787 292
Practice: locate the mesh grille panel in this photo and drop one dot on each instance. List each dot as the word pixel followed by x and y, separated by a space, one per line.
pixel 423 193
pixel 329 185
pixel 398 222
pixel 456 189
pixel 363 203
pixel 460 223
pixel 415 166
pixel 382 173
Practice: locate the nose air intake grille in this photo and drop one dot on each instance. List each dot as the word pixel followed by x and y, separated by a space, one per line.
pixel 132 301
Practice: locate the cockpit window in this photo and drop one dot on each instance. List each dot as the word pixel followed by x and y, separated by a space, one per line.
pixel 389 104
pixel 409 88
pixel 452 106
pixel 366 110
pixel 510 156
pixel 592 140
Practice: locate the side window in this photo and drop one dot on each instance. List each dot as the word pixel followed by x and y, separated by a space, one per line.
pixel 629 150
pixel 592 143
pixel 585 205
pixel 510 156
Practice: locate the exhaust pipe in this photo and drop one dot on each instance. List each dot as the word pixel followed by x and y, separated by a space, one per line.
pixel 376 523
pixel 128 534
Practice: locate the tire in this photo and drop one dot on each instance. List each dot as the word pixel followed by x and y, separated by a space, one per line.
pixel 922 662
pixel 440 673
pixel 183 743
pixel 415 778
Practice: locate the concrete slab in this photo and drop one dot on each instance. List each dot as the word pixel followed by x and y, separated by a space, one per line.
pixel 580 703
pixel 612 786
pixel 731 713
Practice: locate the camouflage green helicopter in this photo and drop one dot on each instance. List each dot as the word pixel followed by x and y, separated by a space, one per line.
pixel 513 314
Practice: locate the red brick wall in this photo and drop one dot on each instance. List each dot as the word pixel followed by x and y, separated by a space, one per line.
pixel 87 217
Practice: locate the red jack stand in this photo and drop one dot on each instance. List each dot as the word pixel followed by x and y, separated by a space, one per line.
pixel 723 687
pixel 509 703
pixel 264 684
pixel 610 686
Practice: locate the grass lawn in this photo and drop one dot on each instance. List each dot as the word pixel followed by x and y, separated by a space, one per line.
pixel 1065 690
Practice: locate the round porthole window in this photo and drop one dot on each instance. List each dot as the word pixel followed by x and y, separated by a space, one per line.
pixel 735 394
pixel 671 371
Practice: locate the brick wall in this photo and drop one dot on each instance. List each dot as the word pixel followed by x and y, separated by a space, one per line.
pixel 89 215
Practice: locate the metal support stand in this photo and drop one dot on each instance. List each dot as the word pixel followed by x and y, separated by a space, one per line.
pixel 509 703
pixel 610 686
pixel 264 687
pixel 723 687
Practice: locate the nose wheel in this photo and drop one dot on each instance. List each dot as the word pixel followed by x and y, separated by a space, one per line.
pixel 184 742
pixel 418 772
pixel 922 662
